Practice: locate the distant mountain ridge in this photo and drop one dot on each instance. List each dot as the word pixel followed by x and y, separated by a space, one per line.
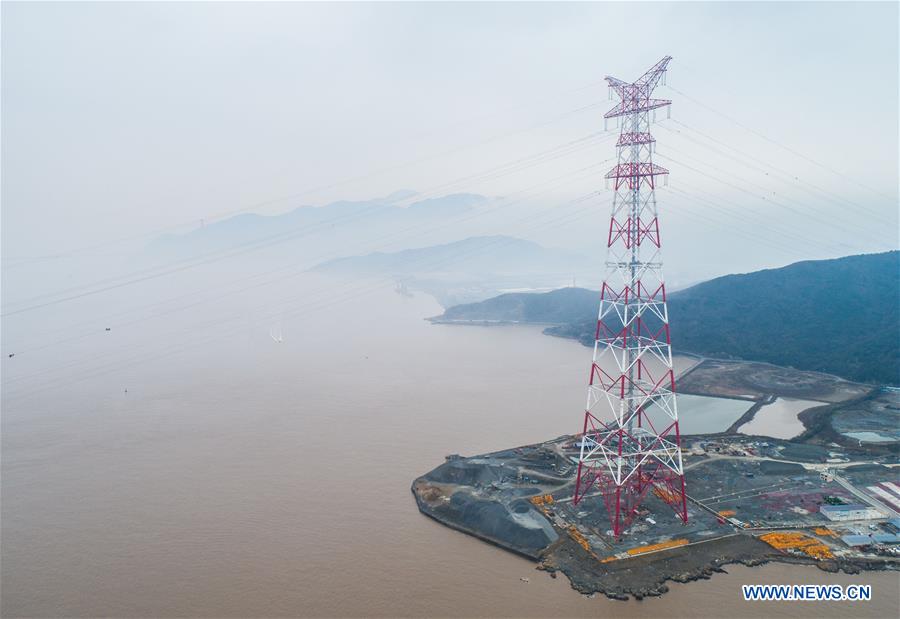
pixel 838 316
pixel 470 269
pixel 480 255
pixel 309 231
pixel 558 307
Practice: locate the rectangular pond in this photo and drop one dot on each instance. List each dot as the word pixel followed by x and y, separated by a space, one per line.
pixel 699 414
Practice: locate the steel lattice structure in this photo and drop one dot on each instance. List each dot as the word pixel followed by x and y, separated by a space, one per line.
pixel 630 441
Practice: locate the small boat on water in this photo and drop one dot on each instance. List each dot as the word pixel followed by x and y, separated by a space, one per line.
pixel 275 334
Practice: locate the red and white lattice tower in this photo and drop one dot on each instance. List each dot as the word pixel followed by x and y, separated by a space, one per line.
pixel 630 442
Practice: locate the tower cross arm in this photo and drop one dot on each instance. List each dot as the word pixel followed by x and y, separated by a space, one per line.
pixel 630 105
pixel 635 96
pixel 651 78
pixel 617 85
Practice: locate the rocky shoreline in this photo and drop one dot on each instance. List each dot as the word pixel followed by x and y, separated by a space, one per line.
pixel 520 499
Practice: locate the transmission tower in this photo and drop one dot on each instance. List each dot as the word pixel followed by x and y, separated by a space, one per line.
pixel 630 441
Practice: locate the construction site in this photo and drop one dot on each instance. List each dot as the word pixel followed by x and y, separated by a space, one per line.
pixel 750 501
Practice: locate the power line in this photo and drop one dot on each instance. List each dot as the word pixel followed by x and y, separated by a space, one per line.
pixel 254 245
pixel 303 309
pixel 284 198
pixel 790 207
pixel 795 180
pixel 777 143
pixel 399 234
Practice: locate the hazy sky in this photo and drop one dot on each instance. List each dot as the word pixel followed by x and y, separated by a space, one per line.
pixel 121 118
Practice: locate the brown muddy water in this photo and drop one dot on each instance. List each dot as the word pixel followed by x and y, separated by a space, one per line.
pixel 245 477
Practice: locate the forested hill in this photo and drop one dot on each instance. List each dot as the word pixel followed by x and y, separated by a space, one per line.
pixel 837 316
